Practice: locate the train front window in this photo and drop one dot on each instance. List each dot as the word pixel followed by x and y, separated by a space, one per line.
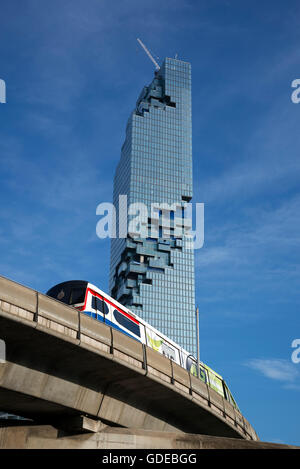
pixel 70 293
pixel 60 293
pixel 77 296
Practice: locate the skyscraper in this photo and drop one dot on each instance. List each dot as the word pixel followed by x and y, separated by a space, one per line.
pixel 154 275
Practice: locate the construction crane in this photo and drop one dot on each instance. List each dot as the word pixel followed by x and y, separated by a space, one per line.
pixel 148 53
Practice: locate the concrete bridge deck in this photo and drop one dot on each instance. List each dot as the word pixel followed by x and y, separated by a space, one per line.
pixel 61 364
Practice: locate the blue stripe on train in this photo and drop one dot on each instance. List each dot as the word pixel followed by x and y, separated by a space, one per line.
pixel 109 323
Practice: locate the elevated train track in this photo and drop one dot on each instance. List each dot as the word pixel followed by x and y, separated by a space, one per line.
pixel 61 364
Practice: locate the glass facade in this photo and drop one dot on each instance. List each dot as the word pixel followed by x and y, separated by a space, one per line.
pixel 153 275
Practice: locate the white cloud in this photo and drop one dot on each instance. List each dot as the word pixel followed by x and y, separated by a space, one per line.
pixel 277 369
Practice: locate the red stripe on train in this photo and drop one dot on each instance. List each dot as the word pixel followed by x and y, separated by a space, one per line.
pixel 112 304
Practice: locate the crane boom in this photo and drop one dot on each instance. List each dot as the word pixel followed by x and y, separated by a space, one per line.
pixel 148 53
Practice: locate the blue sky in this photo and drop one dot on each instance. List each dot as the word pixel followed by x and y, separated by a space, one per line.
pixel 73 72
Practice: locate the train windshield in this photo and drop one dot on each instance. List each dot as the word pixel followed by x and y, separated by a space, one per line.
pixel 77 296
pixel 70 293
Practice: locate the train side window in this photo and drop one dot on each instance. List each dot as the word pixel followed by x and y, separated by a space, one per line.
pixel 102 306
pixel 226 392
pixel 231 398
pixel 127 323
pixel 191 366
pixel 99 305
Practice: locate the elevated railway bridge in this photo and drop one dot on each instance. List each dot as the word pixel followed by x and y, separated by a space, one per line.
pixel 62 366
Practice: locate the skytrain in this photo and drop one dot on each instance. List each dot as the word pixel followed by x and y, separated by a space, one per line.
pixel 92 301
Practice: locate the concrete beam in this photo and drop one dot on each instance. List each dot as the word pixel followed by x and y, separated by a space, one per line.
pixel 48 437
pixel 79 424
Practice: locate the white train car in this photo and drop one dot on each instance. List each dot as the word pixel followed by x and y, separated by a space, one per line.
pixel 92 301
